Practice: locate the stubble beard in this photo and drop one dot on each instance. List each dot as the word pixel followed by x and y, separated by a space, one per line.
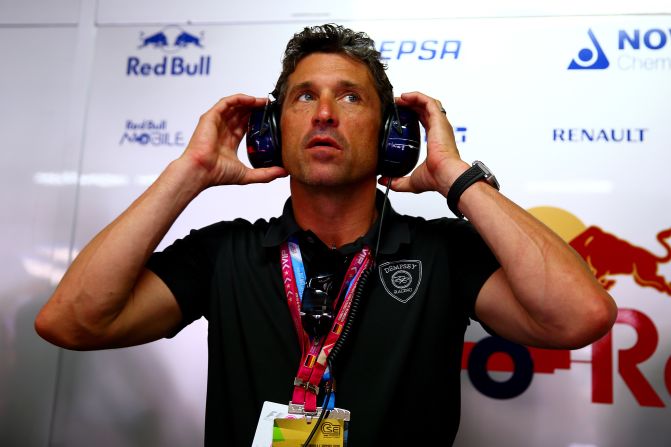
pixel 320 175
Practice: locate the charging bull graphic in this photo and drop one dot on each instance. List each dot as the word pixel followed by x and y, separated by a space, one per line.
pixel 170 39
pixel 608 255
pixel 156 40
pixel 185 39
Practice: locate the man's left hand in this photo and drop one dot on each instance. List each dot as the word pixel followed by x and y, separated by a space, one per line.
pixel 443 164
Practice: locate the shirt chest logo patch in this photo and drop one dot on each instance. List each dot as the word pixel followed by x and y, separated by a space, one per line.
pixel 401 279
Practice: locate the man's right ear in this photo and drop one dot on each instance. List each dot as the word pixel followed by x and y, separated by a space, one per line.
pixel 263 136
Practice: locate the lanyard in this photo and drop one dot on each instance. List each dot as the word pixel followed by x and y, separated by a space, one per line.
pixel 315 352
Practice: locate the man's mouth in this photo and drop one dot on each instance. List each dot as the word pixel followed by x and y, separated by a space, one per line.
pixel 323 141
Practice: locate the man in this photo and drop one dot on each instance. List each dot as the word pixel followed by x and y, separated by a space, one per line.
pixel 398 374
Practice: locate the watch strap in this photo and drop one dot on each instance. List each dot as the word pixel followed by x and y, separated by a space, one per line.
pixel 470 176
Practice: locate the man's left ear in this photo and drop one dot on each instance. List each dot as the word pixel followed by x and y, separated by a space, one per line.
pixel 399 142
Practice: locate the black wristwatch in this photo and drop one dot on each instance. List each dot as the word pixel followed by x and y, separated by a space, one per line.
pixel 478 171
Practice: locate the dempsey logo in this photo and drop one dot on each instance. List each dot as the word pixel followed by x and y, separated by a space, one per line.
pixel 590 59
pixel 169 40
pixel 401 279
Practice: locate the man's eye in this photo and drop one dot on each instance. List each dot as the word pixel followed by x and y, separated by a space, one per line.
pixel 305 97
pixel 352 97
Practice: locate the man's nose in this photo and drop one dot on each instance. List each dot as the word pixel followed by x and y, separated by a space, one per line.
pixel 326 113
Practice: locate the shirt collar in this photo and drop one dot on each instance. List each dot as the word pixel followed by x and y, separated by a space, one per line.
pixel 395 230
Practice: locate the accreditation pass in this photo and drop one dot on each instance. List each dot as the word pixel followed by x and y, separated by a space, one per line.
pixel 278 428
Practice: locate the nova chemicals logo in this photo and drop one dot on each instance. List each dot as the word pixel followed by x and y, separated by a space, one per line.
pixel 589 59
pixel 159 54
pixel 150 133
pixel 629 49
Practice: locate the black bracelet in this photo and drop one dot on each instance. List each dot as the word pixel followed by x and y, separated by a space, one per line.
pixel 473 174
pixel 470 176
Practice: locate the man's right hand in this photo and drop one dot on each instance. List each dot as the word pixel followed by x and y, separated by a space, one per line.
pixel 107 297
pixel 213 148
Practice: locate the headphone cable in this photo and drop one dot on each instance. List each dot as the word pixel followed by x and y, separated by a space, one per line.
pixel 348 325
pixel 379 226
pixel 347 329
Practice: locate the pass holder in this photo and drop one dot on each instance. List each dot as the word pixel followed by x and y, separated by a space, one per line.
pixel 279 427
pixel 336 413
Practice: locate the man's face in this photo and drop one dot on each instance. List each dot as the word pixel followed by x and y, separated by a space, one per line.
pixel 330 121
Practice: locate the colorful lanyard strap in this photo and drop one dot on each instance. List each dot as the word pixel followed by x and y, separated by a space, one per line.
pixel 314 353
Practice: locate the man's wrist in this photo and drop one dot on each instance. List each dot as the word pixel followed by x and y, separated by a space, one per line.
pixel 187 175
pixel 450 175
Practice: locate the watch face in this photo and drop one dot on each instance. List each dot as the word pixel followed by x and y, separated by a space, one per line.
pixel 489 176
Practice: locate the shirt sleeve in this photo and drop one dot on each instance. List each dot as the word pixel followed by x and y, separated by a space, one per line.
pixel 186 268
pixel 473 264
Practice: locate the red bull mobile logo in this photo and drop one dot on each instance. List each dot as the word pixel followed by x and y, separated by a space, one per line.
pixel 608 256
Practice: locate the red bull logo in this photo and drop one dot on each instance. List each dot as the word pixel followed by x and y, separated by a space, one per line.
pixel 157 40
pixel 160 40
pixel 608 256
pixel 169 40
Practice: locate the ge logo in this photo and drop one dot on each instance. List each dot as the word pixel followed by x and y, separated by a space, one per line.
pixel 401 279
pixel 330 430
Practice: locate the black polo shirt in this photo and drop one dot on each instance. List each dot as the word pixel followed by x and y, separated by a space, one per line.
pixel 399 373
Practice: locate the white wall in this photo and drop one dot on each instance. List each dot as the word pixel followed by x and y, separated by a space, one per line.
pixel 66 100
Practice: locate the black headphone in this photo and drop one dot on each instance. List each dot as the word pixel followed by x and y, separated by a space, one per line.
pixel 398 150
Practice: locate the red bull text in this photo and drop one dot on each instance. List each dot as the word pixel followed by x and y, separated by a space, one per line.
pixel 169 66
pixel 168 41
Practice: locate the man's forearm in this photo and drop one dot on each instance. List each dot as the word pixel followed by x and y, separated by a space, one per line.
pixel 97 286
pixel 549 281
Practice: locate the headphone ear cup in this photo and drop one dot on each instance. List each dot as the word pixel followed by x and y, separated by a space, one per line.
pixel 263 138
pixel 399 142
